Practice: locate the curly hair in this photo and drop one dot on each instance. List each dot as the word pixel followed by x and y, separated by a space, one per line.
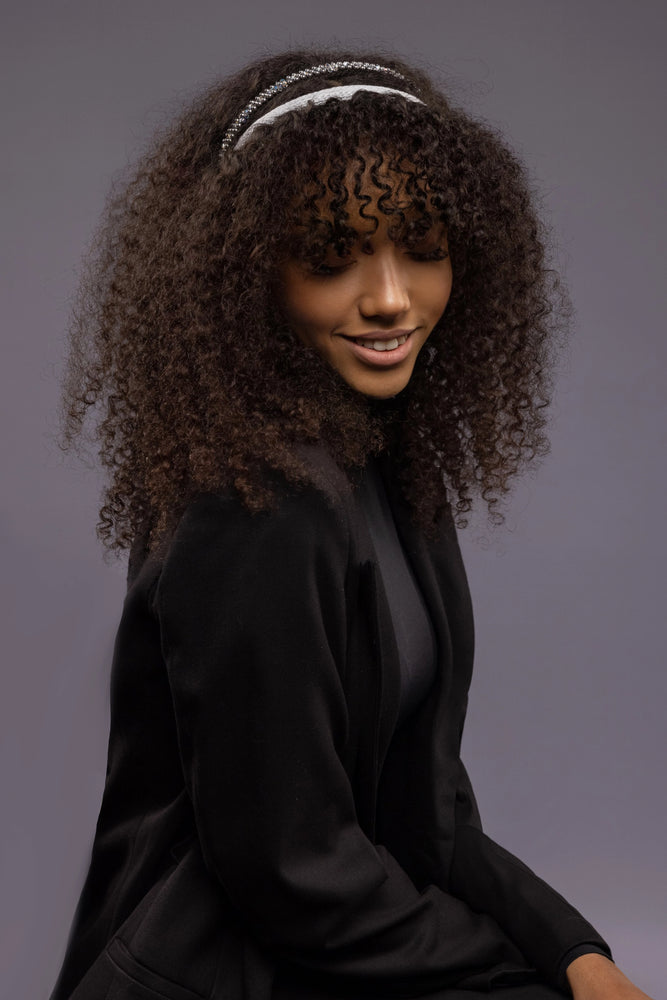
pixel 179 347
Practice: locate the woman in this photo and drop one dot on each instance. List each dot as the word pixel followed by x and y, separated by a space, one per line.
pixel 319 319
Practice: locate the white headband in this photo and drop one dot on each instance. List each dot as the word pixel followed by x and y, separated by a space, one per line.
pixel 318 97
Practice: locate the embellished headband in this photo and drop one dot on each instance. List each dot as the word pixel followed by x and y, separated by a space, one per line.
pixel 236 135
pixel 318 97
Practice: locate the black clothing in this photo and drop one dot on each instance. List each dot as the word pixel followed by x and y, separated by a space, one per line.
pixel 263 821
pixel 413 631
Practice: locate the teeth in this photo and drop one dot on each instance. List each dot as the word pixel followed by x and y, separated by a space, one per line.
pixel 382 345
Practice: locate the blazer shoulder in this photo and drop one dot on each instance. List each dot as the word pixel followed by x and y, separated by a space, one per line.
pixel 319 516
pixel 304 524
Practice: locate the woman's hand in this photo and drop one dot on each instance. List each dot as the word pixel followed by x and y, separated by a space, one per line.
pixel 594 977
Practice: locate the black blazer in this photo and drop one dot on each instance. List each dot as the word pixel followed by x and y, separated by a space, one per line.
pixel 260 833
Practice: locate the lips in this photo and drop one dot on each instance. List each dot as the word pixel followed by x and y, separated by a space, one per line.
pixel 381 345
pixel 381 340
pixel 382 348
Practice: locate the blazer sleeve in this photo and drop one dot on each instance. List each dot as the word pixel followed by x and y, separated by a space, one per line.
pixel 253 623
pixel 549 931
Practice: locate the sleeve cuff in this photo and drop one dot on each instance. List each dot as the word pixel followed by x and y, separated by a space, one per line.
pixel 569 957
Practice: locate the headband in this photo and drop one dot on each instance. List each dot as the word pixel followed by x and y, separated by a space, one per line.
pixel 318 97
pixel 343 93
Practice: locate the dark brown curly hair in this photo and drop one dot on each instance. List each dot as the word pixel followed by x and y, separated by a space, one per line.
pixel 178 345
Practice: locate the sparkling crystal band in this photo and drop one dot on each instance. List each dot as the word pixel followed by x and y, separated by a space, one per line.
pixel 237 125
pixel 317 97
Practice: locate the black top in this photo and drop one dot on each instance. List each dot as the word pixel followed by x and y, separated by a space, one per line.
pixel 412 625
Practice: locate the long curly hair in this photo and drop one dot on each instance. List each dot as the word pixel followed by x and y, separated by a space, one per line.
pixel 179 349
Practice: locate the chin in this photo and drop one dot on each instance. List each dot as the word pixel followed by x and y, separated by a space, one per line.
pixel 387 394
pixel 381 388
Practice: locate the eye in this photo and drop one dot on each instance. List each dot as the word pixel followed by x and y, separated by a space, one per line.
pixel 324 270
pixel 440 253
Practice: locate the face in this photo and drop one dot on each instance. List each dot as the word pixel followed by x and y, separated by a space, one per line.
pixel 370 313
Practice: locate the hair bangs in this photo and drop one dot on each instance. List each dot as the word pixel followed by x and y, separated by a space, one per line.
pixel 340 205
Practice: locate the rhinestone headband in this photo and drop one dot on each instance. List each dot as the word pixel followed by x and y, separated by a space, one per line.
pixel 317 97
pixel 237 125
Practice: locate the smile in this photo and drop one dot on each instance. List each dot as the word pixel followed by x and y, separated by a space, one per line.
pixel 381 345
pixel 381 353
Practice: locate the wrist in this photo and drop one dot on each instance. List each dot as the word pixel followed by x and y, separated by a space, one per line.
pixel 592 972
pixel 585 948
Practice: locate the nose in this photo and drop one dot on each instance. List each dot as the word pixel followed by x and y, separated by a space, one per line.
pixel 385 293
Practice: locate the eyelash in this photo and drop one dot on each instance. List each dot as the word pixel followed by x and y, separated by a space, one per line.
pixel 328 270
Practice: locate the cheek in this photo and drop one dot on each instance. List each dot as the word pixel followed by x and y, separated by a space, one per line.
pixel 440 291
pixel 304 310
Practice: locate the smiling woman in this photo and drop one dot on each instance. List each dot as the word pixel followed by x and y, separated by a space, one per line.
pixel 181 340
pixel 369 306
pixel 297 391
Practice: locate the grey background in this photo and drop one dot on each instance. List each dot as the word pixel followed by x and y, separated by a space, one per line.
pixel 566 736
